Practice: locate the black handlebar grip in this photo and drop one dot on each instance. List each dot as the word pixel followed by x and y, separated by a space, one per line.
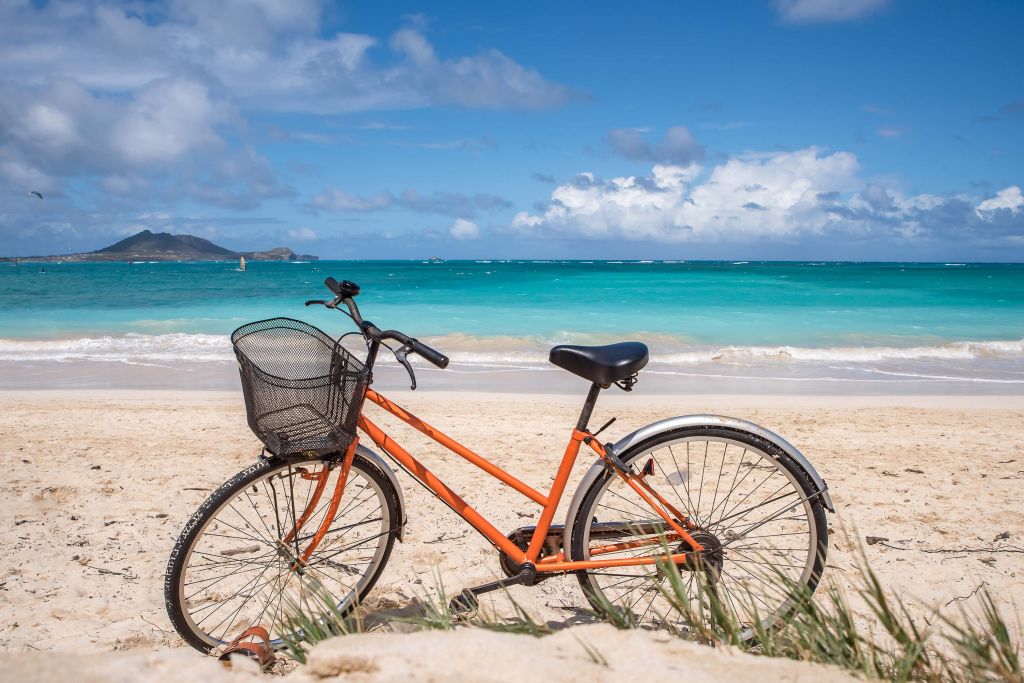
pixel 333 285
pixel 431 355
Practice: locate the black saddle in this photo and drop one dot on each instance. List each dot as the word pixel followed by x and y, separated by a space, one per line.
pixel 601 364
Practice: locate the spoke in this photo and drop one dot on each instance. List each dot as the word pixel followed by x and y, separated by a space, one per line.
pixel 732 488
pixel 765 521
pixel 718 482
pixel 270 534
pixel 349 547
pixel 752 492
pixel 740 515
pixel 231 619
pixel 270 600
pixel 246 560
pixel 700 492
pixel 766 584
pixel 674 489
pixel 746 474
pixel 633 503
pixel 217 580
pixel 347 527
pixel 258 538
pixel 747 559
pixel 609 507
pixel 253 563
pixel 687 482
pixel 220 604
pixel 751 594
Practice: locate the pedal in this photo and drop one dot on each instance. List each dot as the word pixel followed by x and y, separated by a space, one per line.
pixel 466 601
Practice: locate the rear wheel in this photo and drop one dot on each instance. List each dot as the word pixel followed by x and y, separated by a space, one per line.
pixel 761 525
pixel 234 564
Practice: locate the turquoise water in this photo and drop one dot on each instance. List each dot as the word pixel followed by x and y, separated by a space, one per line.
pixel 715 303
pixel 967 320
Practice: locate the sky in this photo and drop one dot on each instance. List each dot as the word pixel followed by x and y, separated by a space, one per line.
pixel 764 129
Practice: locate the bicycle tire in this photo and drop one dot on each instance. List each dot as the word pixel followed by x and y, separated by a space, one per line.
pixel 817 541
pixel 178 564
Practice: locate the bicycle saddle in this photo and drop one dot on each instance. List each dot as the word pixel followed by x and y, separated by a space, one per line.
pixel 601 364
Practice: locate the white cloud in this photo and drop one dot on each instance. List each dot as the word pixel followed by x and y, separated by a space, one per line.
pixel 301 234
pixel 166 120
pixel 810 11
pixel 464 230
pixel 758 194
pixel 144 101
pixel 776 195
pixel 1009 198
pixel 267 54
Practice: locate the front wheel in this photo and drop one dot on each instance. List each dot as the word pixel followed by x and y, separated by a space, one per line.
pixel 234 565
pixel 755 512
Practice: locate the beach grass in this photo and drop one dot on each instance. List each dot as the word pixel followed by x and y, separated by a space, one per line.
pixel 969 643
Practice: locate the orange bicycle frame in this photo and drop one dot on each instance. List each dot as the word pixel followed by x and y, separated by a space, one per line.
pixel 678 523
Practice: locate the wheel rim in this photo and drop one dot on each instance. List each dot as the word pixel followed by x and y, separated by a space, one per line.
pixel 241 579
pixel 729 488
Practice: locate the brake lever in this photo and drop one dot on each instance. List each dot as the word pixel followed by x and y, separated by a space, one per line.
pixel 313 302
pixel 402 356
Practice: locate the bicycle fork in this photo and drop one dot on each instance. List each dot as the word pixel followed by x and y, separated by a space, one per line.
pixel 298 558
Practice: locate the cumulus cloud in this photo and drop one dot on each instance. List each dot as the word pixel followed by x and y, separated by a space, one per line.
pixel 1009 199
pixel 147 102
pixel 463 229
pixel 757 196
pixel 269 54
pixel 444 203
pixel 812 11
pixel 677 147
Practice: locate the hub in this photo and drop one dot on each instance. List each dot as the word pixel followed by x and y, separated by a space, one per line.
pixel 710 561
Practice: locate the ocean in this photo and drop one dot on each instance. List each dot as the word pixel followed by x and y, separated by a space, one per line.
pixel 729 326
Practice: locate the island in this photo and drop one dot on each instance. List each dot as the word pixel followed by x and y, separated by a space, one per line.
pixel 163 246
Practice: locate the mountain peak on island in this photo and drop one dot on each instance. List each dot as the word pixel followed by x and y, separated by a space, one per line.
pixel 147 244
pixel 163 246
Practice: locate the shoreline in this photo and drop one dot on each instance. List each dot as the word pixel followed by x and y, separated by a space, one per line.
pixel 610 398
pixel 223 376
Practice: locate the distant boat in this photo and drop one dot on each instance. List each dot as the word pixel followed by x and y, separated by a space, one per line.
pixel 435 259
pixel 241 263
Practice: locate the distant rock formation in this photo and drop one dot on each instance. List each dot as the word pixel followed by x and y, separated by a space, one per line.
pixel 163 246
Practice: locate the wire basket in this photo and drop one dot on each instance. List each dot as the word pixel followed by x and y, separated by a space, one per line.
pixel 302 390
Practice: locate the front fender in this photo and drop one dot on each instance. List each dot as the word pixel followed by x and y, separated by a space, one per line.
pixel 644 433
pixel 383 466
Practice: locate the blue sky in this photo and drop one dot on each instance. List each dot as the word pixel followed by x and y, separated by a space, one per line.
pixel 789 129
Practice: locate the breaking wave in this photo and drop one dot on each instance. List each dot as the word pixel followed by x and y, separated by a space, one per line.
pixel 502 351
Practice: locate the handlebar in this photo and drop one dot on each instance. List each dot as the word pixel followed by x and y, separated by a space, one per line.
pixel 344 292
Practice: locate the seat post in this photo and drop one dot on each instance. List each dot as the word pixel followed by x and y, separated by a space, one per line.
pixel 588 407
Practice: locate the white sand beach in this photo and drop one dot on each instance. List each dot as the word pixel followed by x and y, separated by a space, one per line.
pixel 99 485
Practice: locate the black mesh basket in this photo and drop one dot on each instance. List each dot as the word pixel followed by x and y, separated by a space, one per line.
pixel 302 390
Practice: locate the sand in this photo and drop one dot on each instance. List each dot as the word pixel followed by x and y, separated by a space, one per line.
pixel 596 653
pixel 97 486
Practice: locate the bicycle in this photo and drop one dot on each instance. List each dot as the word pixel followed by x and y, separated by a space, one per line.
pixel 320 514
